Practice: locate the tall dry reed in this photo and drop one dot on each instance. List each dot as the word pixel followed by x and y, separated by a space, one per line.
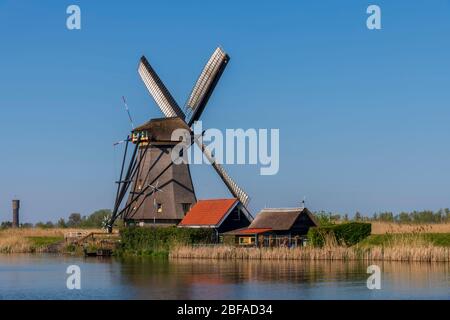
pixel 19 240
pixel 391 227
pixel 392 253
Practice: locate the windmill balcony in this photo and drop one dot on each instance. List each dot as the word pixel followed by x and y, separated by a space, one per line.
pixel 142 135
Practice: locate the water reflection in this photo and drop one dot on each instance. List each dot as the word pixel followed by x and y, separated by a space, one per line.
pixel 44 277
pixel 213 279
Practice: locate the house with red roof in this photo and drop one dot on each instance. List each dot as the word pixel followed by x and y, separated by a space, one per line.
pixel 222 215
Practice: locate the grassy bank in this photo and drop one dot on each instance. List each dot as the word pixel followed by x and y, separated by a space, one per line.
pixel 187 243
pixel 33 240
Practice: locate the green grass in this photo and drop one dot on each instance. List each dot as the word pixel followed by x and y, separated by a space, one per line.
pixel 437 239
pixel 42 242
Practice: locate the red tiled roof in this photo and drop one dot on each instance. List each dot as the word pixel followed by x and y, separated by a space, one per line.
pixel 208 212
pixel 253 231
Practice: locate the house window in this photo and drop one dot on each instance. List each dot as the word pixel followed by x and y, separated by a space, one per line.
pixel 245 241
pixel 159 208
pixel 186 207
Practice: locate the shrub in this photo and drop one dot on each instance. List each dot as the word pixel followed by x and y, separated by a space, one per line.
pixel 154 240
pixel 344 234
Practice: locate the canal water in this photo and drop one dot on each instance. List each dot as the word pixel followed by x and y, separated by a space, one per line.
pixel 44 277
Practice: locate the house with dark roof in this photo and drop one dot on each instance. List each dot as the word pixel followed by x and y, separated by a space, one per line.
pixel 222 215
pixel 275 227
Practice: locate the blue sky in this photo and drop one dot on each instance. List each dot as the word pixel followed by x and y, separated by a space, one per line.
pixel 363 115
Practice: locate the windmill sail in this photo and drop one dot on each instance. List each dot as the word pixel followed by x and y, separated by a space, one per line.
pixel 205 84
pixel 237 192
pixel 158 91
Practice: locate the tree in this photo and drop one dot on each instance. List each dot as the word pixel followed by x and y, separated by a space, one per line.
pixel 49 224
pixel 26 225
pixel 74 220
pixel 386 216
pixel 403 217
pixel 96 219
pixel 6 225
pixel 61 223
pixel 40 225
pixel 357 216
pixel 46 225
pixel 323 218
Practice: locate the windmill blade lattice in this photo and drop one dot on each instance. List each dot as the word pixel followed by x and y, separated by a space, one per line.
pixel 158 90
pixel 205 84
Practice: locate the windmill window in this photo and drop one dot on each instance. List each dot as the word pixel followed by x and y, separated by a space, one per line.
pixel 186 207
pixel 159 208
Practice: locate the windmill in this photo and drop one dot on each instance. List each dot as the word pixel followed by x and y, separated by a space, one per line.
pixel 155 191
pixel 151 159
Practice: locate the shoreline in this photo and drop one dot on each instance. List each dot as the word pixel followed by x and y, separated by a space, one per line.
pixel 425 247
pixel 220 252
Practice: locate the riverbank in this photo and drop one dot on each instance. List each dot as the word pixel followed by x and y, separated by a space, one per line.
pixel 187 243
pixel 35 240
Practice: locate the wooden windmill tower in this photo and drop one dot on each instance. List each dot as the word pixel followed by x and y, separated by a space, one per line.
pixel 151 162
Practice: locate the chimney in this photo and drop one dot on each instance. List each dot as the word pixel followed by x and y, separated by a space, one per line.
pixel 15 207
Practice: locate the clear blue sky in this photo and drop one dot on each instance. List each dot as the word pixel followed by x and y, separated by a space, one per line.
pixel 363 115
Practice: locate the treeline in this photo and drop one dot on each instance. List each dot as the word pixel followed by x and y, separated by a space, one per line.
pixel 75 220
pixel 425 216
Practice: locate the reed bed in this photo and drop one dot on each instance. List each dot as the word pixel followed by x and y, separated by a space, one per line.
pixel 422 254
pixel 391 227
pixel 31 240
pixel 37 232
pixel 15 244
pixel 410 247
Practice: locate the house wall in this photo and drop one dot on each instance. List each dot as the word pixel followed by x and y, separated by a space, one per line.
pixel 301 225
pixel 235 220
